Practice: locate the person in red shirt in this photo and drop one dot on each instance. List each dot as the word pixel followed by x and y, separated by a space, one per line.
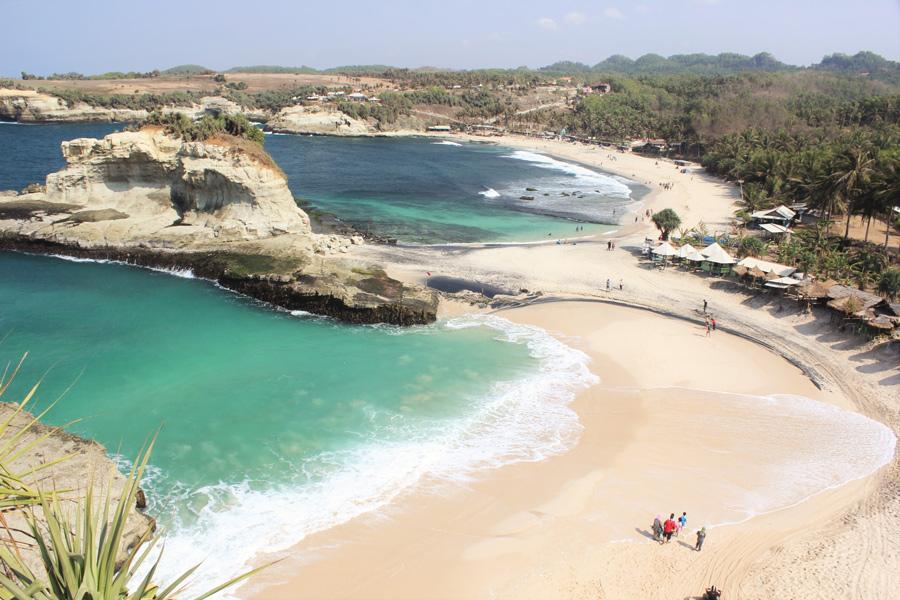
pixel 669 527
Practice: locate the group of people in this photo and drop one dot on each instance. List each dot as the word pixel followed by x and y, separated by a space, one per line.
pixel 710 324
pixel 609 284
pixel 610 245
pixel 664 530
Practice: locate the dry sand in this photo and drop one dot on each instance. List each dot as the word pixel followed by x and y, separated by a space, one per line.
pixel 575 525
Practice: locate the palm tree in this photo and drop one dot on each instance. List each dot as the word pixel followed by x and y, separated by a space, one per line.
pixel 886 194
pixel 847 176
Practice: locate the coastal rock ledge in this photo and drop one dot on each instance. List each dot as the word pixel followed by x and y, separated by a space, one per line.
pixel 220 208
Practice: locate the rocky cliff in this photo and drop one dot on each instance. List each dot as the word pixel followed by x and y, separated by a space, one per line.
pixel 29 106
pixel 148 188
pixel 221 208
pixel 87 463
pixel 317 120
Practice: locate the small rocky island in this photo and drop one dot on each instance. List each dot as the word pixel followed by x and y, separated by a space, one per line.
pixel 218 206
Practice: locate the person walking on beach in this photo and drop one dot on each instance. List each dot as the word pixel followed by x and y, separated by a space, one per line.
pixel 621 285
pixel 701 537
pixel 607 284
pixel 657 529
pixel 713 323
pixel 682 521
pixel 704 305
pixel 669 528
pixel 707 327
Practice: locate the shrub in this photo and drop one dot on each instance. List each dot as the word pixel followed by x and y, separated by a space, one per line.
pixel 889 283
pixel 666 220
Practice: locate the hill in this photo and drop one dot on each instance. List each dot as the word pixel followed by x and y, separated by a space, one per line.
pixel 188 70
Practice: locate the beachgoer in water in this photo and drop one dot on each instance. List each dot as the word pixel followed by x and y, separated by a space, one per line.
pixel 669 528
pixel 657 529
pixel 701 537
pixel 682 521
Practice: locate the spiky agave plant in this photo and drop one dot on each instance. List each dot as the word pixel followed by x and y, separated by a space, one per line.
pixel 81 551
pixel 15 487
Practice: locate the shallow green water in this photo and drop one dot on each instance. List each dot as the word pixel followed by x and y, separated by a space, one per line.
pixel 285 423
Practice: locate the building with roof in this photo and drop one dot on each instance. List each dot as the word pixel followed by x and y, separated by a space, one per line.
pixel 780 215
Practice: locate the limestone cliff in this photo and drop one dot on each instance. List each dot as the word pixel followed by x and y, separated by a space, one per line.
pixel 317 120
pixel 29 106
pixel 220 208
pixel 149 188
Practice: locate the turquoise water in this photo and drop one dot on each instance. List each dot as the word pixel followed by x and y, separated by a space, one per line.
pixel 427 191
pixel 418 190
pixel 285 423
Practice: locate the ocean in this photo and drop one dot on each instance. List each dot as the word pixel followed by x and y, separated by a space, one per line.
pixel 273 425
pixel 418 190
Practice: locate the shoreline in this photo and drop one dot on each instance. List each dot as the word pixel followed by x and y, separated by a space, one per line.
pixel 463 525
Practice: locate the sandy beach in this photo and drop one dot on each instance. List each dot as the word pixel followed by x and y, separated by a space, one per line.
pixel 788 485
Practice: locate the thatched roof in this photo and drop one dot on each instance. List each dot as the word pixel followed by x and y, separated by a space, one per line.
pixel 817 289
pixel 864 300
pixel 755 272
pixel 739 270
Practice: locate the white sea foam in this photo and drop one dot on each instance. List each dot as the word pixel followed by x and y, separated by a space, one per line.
pixel 605 184
pixel 490 193
pixel 447 143
pixel 185 273
pixel 524 420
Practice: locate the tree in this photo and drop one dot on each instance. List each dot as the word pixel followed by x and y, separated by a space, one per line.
pixel 846 180
pixel 751 246
pixel 666 220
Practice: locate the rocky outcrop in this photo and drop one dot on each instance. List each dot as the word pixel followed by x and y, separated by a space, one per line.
pixel 317 120
pixel 87 463
pixel 29 106
pixel 163 192
pixel 220 208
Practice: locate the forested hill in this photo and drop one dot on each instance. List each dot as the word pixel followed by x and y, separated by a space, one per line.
pixel 725 63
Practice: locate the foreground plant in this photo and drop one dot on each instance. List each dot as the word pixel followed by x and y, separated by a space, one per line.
pixel 16 489
pixel 79 547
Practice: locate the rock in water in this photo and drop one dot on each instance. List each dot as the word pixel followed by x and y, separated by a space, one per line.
pixel 224 188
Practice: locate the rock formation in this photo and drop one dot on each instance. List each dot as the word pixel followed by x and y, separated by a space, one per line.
pixel 87 462
pixel 221 208
pixel 29 106
pixel 317 120
pixel 149 188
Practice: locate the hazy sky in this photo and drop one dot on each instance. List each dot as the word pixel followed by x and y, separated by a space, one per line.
pixel 93 36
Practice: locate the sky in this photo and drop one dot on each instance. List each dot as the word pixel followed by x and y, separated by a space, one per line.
pixel 95 36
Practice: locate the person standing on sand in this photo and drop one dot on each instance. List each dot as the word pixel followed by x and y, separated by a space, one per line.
pixel 669 528
pixel 707 327
pixel 682 521
pixel 607 284
pixel 704 305
pixel 657 529
pixel 713 322
pixel 701 537
pixel 621 285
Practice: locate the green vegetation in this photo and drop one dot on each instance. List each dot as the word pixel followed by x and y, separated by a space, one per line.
pixel 654 64
pixel 16 488
pixel 889 283
pixel 80 552
pixel 125 101
pixel 188 70
pixel 666 220
pixel 181 126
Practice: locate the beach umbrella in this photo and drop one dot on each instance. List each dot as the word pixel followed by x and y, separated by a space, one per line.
pixel 665 249
pixel 695 256
pixel 686 251
pixel 714 253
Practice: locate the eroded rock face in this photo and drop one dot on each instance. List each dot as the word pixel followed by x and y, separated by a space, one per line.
pixel 29 106
pixel 171 190
pixel 317 120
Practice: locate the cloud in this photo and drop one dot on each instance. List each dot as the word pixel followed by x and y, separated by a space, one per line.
pixel 547 24
pixel 575 18
pixel 642 9
pixel 612 13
